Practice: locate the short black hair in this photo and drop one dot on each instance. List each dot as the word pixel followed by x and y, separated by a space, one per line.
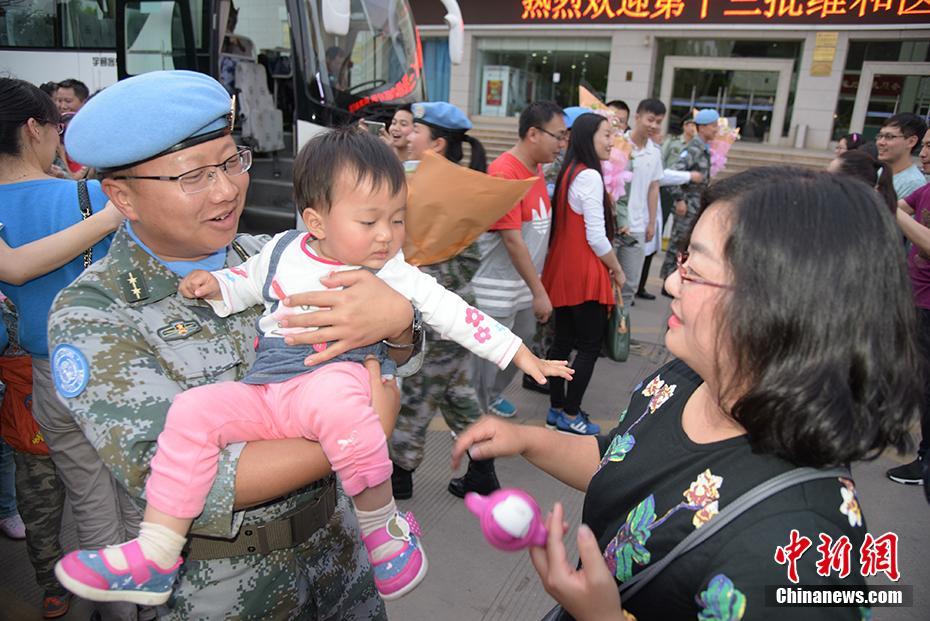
pixel 80 89
pixel 537 114
pixel 345 150
pixel 651 106
pixel 618 103
pixel 823 375
pixel 910 125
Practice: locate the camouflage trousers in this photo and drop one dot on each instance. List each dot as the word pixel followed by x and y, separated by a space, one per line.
pixel 326 578
pixel 681 227
pixel 445 384
pixel 40 496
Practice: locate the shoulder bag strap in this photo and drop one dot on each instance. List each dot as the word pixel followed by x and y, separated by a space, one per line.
pixel 84 205
pixel 733 510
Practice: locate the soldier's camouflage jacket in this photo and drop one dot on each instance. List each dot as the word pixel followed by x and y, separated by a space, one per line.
pixel 694 157
pixel 123 343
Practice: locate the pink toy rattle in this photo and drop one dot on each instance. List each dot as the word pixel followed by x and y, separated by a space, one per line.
pixel 510 519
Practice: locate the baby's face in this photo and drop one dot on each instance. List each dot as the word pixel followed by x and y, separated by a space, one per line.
pixel 364 226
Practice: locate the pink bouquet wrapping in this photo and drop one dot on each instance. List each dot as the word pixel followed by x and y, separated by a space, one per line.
pixel 720 146
pixel 617 170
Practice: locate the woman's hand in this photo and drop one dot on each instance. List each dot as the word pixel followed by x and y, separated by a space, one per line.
pixel 111 215
pixel 589 593
pixel 489 437
pixel 385 396
pixel 365 311
pixel 538 369
pixel 617 279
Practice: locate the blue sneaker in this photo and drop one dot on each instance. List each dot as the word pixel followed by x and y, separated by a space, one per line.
pixel 580 425
pixel 552 418
pixel 503 408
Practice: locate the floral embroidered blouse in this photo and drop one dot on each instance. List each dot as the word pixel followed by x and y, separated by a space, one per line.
pixel 654 486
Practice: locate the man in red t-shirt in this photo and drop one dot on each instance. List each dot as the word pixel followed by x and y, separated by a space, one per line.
pixel 507 284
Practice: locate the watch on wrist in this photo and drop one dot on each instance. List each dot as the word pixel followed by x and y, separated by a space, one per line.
pixel 417 334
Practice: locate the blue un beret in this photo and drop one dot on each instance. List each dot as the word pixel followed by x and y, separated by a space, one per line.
pixel 441 114
pixel 572 113
pixel 707 116
pixel 146 116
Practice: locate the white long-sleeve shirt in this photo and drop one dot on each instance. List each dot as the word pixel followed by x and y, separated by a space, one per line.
pixel 586 198
pixel 300 270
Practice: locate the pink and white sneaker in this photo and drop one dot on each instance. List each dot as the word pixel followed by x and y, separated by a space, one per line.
pixel 400 573
pixel 87 574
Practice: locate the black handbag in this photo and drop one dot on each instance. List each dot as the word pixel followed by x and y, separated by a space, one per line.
pixel 764 490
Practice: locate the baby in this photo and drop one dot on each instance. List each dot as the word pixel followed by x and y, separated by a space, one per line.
pixel 351 191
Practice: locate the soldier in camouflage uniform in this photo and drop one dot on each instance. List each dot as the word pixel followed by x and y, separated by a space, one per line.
pixel 447 380
pixel 40 495
pixel 125 343
pixel 687 198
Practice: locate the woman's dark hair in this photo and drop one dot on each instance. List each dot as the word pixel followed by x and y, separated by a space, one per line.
pixel 19 102
pixel 581 151
pixel 853 141
pixel 876 173
pixel 820 325
pixel 454 139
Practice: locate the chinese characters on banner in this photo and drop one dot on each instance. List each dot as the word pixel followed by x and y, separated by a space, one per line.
pixel 876 555
pixel 721 11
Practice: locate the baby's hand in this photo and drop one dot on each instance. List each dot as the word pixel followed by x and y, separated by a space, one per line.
pixel 538 369
pixel 200 284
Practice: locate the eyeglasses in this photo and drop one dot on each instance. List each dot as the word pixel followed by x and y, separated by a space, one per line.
pixel 681 259
pixel 561 137
pixel 201 179
pixel 59 126
pixel 888 136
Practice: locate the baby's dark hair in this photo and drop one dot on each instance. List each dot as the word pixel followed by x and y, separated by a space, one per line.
pixel 346 150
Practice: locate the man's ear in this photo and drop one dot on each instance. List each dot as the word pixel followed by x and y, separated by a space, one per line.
pixel 314 222
pixel 912 145
pixel 121 196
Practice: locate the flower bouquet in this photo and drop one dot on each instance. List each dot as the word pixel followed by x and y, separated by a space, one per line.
pixel 720 146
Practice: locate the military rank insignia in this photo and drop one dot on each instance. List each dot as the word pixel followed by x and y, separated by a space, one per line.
pixel 133 286
pixel 177 330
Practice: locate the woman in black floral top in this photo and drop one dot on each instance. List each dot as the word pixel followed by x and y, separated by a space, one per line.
pixel 792 328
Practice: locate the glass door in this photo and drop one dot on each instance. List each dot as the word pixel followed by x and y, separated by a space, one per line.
pixel 745 96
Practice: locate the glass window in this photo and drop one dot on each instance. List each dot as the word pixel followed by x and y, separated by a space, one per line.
pixel 515 71
pixel 890 94
pixel 88 24
pixel 28 24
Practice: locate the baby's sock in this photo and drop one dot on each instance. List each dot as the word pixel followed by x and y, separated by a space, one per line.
pixel 370 521
pixel 158 543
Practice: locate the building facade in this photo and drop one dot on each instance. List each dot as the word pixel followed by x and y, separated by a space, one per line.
pixel 787 72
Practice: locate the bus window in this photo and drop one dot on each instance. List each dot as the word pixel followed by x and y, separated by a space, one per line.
pixel 28 24
pixel 155 35
pixel 89 24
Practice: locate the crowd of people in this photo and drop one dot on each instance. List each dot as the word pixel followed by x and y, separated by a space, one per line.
pixel 221 410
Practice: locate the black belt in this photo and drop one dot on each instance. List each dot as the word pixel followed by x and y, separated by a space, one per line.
pixel 278 535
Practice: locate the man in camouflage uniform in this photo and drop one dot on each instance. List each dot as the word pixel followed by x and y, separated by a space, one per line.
pixel 687 198
pixel 124 343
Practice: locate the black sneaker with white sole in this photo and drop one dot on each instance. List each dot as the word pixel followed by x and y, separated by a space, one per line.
pixel 909 474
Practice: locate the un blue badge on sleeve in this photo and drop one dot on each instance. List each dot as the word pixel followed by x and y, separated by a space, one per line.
pixel 69 370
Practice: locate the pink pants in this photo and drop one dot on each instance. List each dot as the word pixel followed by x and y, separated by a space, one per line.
pixel 331 405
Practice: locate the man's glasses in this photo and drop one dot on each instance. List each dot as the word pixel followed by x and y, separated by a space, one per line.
pixel 686 276
pixel 202 178
pixel 888 136
pixel 561 136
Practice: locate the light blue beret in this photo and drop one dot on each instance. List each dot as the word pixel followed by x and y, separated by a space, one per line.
pixel 707 116
pixel 573 113
pixel 440 114
pixel 146 116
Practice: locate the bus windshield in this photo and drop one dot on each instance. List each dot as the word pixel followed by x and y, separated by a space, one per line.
pixel 377 62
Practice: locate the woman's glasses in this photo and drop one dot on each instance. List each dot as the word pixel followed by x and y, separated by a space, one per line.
pixel 686 276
